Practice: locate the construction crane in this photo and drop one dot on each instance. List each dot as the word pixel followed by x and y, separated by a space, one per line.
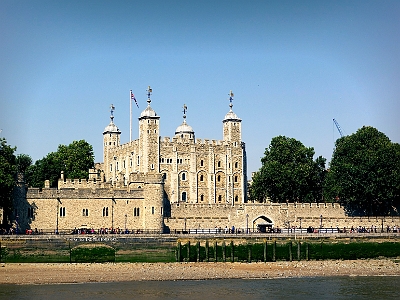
pixel 338 128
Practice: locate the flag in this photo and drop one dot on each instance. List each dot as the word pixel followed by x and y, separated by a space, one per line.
pixel 133 98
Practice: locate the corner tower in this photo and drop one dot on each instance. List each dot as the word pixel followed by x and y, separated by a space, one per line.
pixel 111 139
pixel 232 125
pixel 149 139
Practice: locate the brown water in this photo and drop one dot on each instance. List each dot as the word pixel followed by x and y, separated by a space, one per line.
pixel 374 287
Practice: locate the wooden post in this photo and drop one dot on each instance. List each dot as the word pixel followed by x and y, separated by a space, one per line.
pixel 232 252
pixel 274 251
pixel 307 252
pixel 178 252
pixel 249 249
pixel 223 251
pixel 198 251
pixel 188 251
pixel 265 251
pixel 298 251
pixel 215 251
pixel 207 249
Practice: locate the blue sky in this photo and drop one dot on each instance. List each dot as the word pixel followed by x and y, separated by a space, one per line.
pixel 292 65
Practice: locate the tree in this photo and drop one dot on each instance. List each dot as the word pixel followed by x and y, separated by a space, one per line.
pixel 364 172
pixel 75 160
pixel 7 173
pixel 23 161
pixel 289 173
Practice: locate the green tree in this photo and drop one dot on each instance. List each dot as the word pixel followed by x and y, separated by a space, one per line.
pixel 23 161
pixel 7 174
pixel 75 160
pixel 289 173
pixel 364 172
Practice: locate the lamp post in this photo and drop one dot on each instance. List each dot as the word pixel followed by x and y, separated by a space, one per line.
pixel 126 217
pixel 320 225
pixel 112 214
pixel 247 223
pixel 58 212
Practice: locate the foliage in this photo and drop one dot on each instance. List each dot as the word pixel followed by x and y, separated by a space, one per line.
pixel 289 173
pixel 365 172
pixel 75 160
pixel 7 173
pixel 23 161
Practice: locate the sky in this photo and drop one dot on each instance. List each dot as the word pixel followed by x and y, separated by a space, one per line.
pixel 293 66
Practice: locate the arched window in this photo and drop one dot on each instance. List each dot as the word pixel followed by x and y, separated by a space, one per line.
pixel 183 176
pixel 201 198
pixel 219 198
pixel 236 164
pixel 184 196
pixel 219 178
pixel 236 198
pixel 219 164
pixel 236 178
pixel 201 177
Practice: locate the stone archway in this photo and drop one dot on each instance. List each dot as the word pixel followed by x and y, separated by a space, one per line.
pixel 262 224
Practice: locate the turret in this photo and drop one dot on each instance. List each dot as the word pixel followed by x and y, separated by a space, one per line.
pixel 184 130
pixel 232 125
pixel 111 139
pixel 149 139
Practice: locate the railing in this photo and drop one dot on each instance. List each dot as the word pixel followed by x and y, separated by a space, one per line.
pixel 211 231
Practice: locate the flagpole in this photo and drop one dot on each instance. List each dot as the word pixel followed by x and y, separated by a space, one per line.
pixel 130 120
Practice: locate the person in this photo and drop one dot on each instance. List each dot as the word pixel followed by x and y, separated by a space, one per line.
pixel 233 229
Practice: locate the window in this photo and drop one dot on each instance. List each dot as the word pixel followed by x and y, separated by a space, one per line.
pixel 219 198
pixel 105 211
pixel 165 176
pixel 136 212
pixel 62 211
pixel 152 166
pixel 85 212
pixel 201 163
pixel 201 198
pixel 236 178
pixel 236 198
pixel 124 164
pixel 184 176
pixel 219 164
pixel 184 196
pixel 236 164
pixel 117 167
pixel 152 210
pixel 219 178
pixel 30 212
pixel 138 160
pixel 201 177
pixel 110 167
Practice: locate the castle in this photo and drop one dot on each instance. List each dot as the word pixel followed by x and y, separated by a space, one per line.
pixel 167 185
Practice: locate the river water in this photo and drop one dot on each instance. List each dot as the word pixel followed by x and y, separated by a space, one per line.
pixel 371 287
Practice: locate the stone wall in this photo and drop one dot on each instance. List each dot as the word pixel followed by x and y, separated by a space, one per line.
pixel 208 216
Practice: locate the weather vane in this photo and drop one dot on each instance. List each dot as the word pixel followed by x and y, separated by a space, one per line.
pixel 184 111
pixel 231 99
pixel 112 108
pixel 149 91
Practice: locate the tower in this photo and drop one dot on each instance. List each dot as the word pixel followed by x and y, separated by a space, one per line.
pixel 232 125
pixel 236 156
pixel 148 158
pixel 111 139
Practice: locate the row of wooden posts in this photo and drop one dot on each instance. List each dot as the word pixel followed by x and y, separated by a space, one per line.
pixel 180 255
